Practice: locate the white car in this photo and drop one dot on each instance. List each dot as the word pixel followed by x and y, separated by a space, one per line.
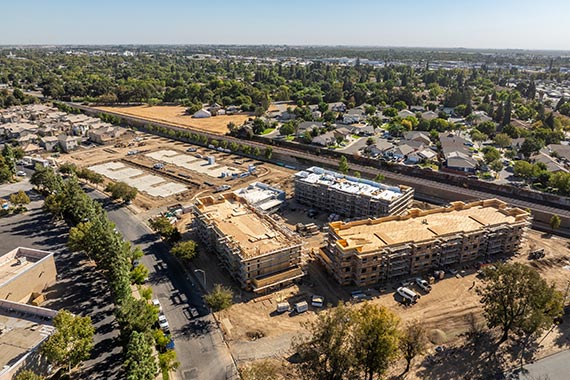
pixel 21 173
pixel 407 294
pixel 156 303
pixel 163 323
pixel 423 285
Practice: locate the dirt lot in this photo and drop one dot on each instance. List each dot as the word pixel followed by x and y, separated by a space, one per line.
pixel 195 181
pixel 254 332
pixel 177 115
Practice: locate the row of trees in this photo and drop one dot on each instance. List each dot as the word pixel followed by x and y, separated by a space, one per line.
pixel 93 233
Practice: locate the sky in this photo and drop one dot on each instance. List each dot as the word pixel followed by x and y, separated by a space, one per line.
pixel 512 24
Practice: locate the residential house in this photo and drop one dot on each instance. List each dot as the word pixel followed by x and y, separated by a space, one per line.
pixel 478 117
pixel 353 115
pixel 27 137
pixel 401 151
pixel 429 115
pixel 462 162
pixel 364 130
pixel 380 148
pixel 31 148
pixel 406 113
pixel 337 107
pixel 68 143
pixel 456 152
pixel 105 134
pixel 308 126
pixel 342 132
pixel 15 130
pixel 326 139
pixel 562 151
pixel 551 164
pixel 49 142
pixel 420 136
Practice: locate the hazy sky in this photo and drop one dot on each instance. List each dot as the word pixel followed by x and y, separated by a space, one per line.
pixel 533 24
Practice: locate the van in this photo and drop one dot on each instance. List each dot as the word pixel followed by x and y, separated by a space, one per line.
pixel 282 307
pixel 407 294
pixel 301 307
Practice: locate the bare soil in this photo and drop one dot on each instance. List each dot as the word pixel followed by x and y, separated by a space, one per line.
pixel 177 115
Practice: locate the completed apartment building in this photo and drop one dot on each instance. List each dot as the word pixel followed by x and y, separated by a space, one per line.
pixel 259 253
pixel 374 250
pixel 350 196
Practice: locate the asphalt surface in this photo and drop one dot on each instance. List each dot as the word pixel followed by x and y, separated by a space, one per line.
pixel 554 367
pixel 199 345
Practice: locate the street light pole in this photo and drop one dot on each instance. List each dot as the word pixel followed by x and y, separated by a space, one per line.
pixel 203 275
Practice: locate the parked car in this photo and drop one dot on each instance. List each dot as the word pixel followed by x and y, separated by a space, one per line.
pixel 407 294
pixel 21 173
pixel 423 285
pixel 163 323
pixel 301 307
pixel 191 149
pixel 156 303
pixel 283 307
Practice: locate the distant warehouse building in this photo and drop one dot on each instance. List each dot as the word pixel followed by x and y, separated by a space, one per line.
pixel 260 253
pixel 374 250
pixel 350 196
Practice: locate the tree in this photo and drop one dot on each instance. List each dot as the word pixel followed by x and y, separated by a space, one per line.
pixel 413 342
pixel 135 315
pixel 72 341
pixel 377 334
pixel 530 146
pixel 400 105
pixel 28 375
pixel 257 152
pixel 20 198
pixel 370 141
pixel 287 129
pixel 514 296
pixel 9 157
pixel 555 222
pixel 379 178
pixel 491 154
pixel 167 360
pixel 139 361
pixel 185 250
pixel 219 298
pixel 502 140
pixel 487 127
pixel 162 225
pixel 268 152
pixel 121 190
pixel 496 165
pixel 343 165
pixel 328 352
pixel 139 274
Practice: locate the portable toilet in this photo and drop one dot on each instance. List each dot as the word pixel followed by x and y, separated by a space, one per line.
pixel 211 160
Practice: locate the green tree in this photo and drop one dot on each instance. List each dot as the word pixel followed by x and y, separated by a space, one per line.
pixel 379 178
pixel 139 274
pixel 135 315
pixel 377 334
pixel 491 154
pixel 413 342
pixel 268 152
pixel 257 152
pixel 185 250
pixel 327 353
pixel 20 198
pixel 514 297
pixel 167 360
pixel 502 140
pixel 287 129
pixel 121 190
pixel 162 225
pixel 219 298
pixel 400 105
pixel 139 363
pixel 370 141
pixel 530 146
pixel 9 157
pixel 28 375
pixel 555 222
pixel 343 165
pixel 496 165
pixel 72 341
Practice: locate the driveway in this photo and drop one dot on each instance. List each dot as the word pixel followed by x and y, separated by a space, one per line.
pixel 200 349
pixel 554 367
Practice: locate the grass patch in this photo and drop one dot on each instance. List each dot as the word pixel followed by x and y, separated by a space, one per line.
pixel 165 374
pixel 355 136
pixel 267 131
pixel 290 138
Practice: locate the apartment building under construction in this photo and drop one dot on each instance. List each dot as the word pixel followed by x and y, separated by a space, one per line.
pixel 350 196
pixel 259 253
pixel 374 250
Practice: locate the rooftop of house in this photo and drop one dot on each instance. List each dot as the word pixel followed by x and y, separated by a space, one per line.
pixel 253 234
pixel 371 235
pixel 351 185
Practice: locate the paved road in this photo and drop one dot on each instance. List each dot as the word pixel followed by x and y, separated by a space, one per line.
pixel 354 146
pixel 198 343
pixel 555 367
